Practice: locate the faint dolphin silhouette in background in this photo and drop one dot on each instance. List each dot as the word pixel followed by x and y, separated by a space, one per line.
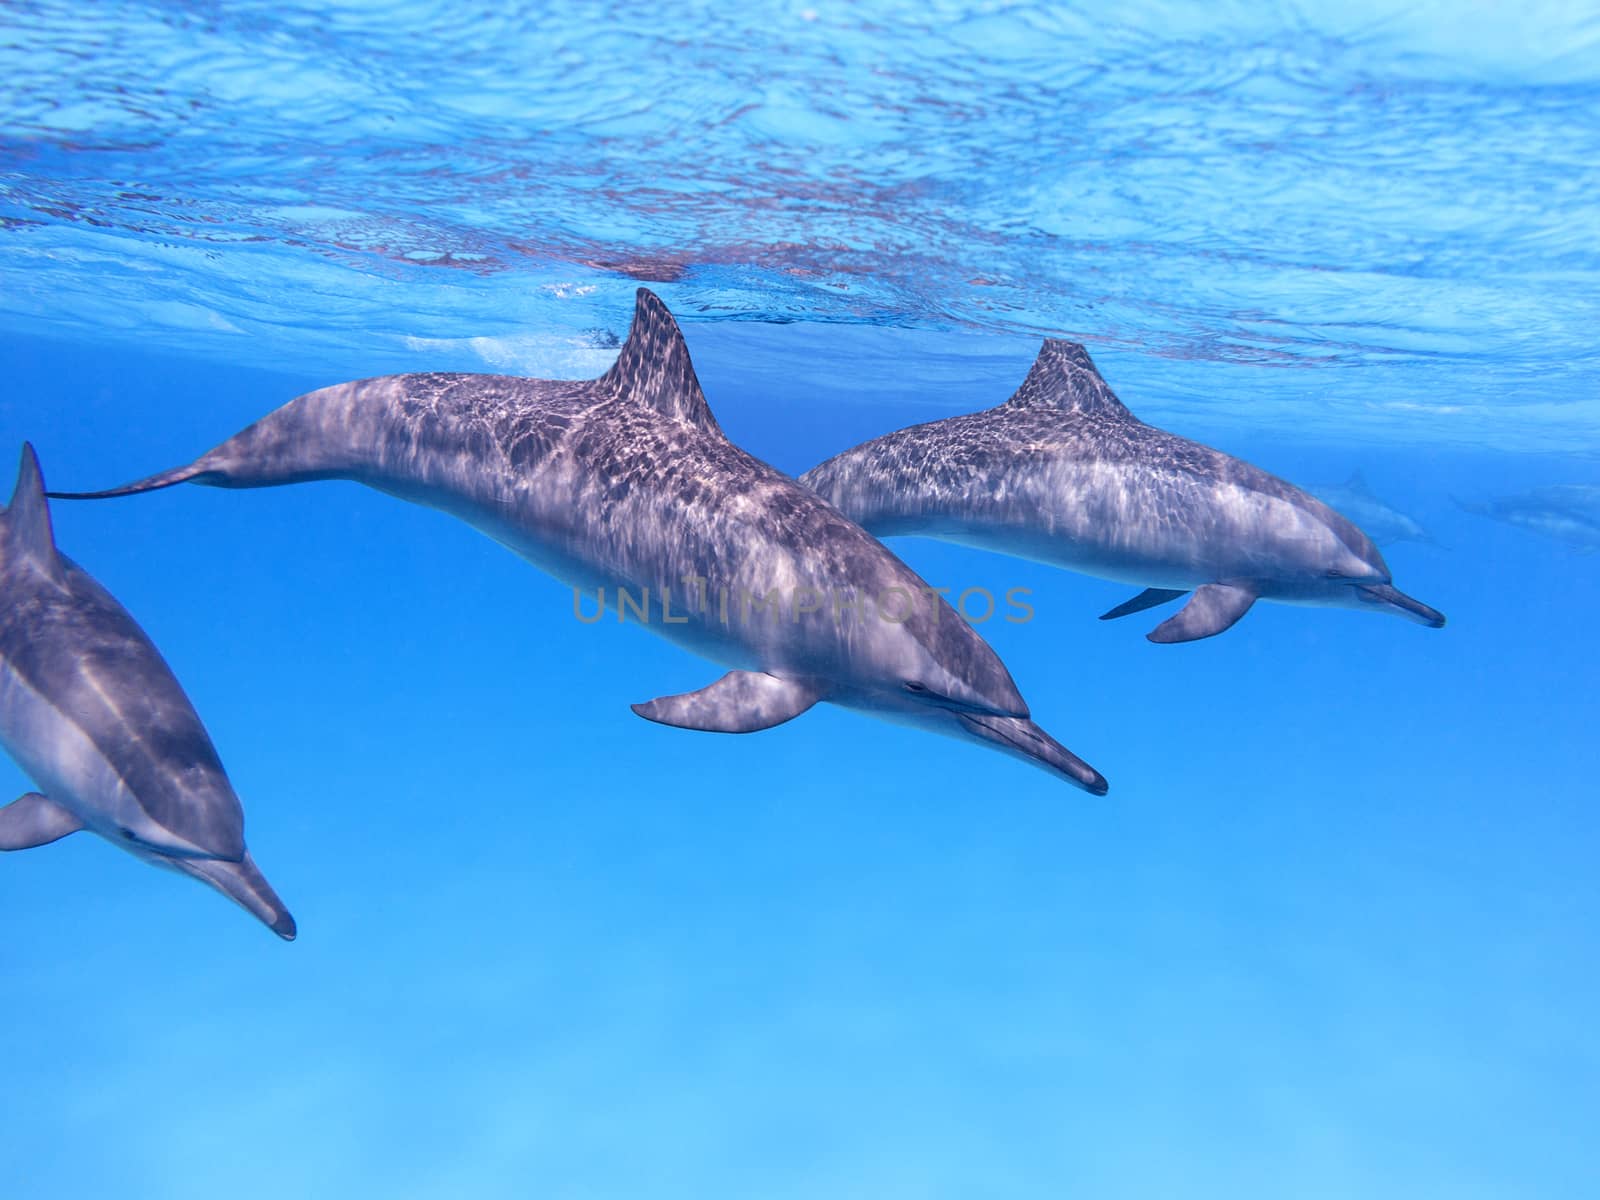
pixel 628 481
pixel 1063 473
pixel 1380 521
pixel 93 714
pixel 1567 512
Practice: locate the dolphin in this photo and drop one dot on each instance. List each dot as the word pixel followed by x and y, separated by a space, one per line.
pixel 628 482
pixel 1064 474
pixel 93 714
pixel 1378 519
pixel 1567 512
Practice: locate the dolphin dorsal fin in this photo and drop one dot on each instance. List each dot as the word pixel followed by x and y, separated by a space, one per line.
pixel 26 522
pixel 1064 377
pixel 654 367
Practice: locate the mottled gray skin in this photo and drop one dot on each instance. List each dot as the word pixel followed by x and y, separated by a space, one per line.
pixel 628 481
pixel 1567 512
pixel 93 714
pixel 1063 473
pixel 1379 520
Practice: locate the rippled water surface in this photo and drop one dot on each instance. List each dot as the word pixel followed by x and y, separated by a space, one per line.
pixel 1409 188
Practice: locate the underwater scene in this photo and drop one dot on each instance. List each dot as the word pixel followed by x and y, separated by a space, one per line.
pixel 799 600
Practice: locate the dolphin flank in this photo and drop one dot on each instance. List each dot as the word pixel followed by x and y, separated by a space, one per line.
pixel 627 481
pixel 93 714
pixel 1063 473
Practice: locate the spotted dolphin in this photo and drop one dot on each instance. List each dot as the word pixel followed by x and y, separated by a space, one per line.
pixel 93 714
pixel 628 482
pixel 1064 474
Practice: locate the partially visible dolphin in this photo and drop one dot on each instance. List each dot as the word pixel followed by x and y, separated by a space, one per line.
pixel 95 717
pixel 1567 512
pixel 1063 473
pixel 1378 519
pixel 628 481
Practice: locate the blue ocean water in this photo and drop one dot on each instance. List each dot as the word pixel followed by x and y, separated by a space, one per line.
pixel 1333 932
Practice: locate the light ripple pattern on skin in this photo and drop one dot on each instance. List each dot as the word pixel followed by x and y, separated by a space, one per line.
pixel 1063 473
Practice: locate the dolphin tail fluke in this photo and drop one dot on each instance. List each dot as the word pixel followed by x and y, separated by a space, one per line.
pixel 195 471
pixel 739 702
pixel 1212 609
pixel 1021 738
pixel 243 883
pixel 1149 598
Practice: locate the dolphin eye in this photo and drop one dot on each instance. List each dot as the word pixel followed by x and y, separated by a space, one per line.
pixel 1335 574
pixel 915 687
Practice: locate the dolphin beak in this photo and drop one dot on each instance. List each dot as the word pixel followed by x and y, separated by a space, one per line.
pixel 1021 738
pixel 244 884
pixel 972 710
pixel 1397 601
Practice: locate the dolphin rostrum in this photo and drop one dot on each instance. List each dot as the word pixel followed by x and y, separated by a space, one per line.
pixel 1062 473
pixel 93 714
pixel 627 482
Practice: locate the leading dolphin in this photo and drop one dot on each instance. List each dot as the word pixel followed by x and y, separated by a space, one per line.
pixel 95 717
pixel 1063 473
pixel 627 481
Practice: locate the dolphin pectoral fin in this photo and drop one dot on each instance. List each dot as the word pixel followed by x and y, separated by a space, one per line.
pixel 739 702
pixel 1148 598
pixel 1213 608
pixel 34 820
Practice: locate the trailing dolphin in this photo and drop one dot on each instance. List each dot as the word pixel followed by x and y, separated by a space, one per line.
pixel 1377 518
pixel 1567 512
pixel 1062 473
pixel 627 482
pixel 95 717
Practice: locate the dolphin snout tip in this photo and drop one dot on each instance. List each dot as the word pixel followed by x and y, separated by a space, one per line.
pixel 1423 615
pixel 1077 772
pixel 1392 598
pixel 285 927
pixel 1024 739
